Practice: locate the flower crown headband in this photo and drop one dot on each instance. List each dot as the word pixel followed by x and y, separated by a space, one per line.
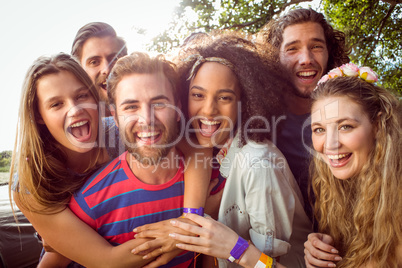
pixel 352 70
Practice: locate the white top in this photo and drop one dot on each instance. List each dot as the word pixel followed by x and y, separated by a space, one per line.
pixel 262 202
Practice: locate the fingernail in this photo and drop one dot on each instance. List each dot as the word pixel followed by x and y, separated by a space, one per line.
pixel 331 265
pixel 334 251
pixel 135 230
pixel 338 258
pixel 173 222
pixel 133 251
pixel 172 235
pixel 145 257
pixel 135 236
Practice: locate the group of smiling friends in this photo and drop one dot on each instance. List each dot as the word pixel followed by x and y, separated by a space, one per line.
pixel 273 151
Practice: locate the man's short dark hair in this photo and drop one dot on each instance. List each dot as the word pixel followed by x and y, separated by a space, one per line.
pixel 95 29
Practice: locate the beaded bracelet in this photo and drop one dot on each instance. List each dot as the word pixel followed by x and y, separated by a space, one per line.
pixel 265 262
pixel 198 211
pixel 238 249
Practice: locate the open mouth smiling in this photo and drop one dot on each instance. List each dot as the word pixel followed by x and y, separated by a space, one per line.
pixel 103 85
pixel 339 160
pixel 306 74
pixel 149 137
pixel 208 127
pixel 80 130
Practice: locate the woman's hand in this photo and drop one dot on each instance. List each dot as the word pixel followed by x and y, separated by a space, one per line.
pixel 163 259
pixel 319 252
pixel 162 243
pixel 213 238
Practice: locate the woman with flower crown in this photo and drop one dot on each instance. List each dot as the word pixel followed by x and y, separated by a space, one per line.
pixel 356 172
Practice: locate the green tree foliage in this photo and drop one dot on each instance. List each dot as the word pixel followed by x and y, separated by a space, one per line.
pixel 5 154
pixel 374 28
pixel 182 24
pixel 5 161
pixel 248 15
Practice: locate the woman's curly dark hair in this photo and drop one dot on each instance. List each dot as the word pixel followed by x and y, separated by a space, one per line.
pixel 272 33
pixel 261 81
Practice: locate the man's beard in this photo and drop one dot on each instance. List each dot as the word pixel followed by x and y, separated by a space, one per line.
pixel 299 94
pixel 151 155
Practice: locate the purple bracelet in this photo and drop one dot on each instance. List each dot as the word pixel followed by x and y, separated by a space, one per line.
pixel 198 211
pixel 238 249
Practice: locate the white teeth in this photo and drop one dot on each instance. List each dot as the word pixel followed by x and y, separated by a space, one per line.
pixel 208 122
pixel 336 156
pixel 306 73
pixel 81 123
pixel 147 134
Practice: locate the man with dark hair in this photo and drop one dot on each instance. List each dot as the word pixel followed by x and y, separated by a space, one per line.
pixel 308 47
pixel 97 47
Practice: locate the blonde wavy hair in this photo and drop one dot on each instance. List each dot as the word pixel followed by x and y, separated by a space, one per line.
pixel 38 159
pixel 363 214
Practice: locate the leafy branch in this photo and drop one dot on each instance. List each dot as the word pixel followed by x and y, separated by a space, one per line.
pixel 382 23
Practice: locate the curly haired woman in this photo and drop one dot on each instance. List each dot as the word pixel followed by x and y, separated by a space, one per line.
pixel 356 173
pixel 232 101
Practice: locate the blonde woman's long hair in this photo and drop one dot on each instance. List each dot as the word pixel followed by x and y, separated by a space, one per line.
pixel 42 174
pixel 363 213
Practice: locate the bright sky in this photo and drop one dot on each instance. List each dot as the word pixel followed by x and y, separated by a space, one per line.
pixel 30 29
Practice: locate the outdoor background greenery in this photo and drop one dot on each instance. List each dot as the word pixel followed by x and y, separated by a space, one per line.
pixel 5 161
pixel 373 28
